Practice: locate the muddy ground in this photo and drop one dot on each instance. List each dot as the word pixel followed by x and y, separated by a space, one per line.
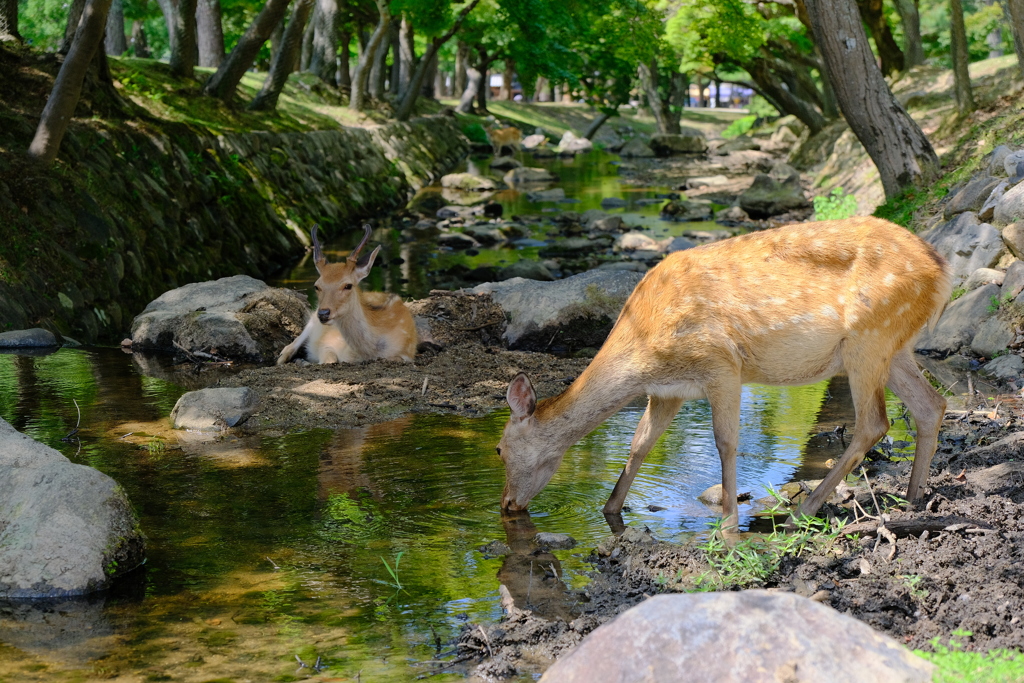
pixel 954 563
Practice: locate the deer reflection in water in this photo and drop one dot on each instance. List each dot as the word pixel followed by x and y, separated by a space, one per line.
pixel 532 576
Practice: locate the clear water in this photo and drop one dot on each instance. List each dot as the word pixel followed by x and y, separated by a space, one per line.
pixel 262 549
pixel 411 268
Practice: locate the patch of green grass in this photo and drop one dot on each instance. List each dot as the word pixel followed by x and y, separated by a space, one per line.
pixel 957 293
pixel 739 127
pixel 836 205
pixel 957 666
pixel 901 209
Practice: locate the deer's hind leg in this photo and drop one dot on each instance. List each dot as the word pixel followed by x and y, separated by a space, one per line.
pixel 868 373
pixel 928 408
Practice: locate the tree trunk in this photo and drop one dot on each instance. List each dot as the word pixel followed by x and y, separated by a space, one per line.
pixel 888 51
pixel 505 92
pixel 668 122
pixel 428 60
pixel 67 87
pixel 357 101
pixel 306 54
pixel 344 74
pixel 395 77
pixel 140 48
pixel 378 69
pixel 209 33
pixel 595 125
pixel 74 16
pixel 114 43
pixel 284 61
pixel 961 58
pixel 913 49
pixel 223 83
pixel 769 86
pixel 894 141
pixel 440 81
pixel 543 89
pixel 461 62
pixel 276 36
pixel 429 79
pixel 1014 11
pixel 185 52
pixel 483 88
pixel 473 78
pixel 406 56
pixel 324 59
pixel 9 21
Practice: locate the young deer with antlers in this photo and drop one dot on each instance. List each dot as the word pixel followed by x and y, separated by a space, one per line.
pixel 788 306
pixel 351 325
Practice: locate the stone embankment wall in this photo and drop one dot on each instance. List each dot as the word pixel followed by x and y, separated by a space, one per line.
pixel 132 211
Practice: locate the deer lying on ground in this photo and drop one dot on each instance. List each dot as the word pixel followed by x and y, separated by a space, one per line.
pixel 505 137
pixel 351 325
pixel 788 306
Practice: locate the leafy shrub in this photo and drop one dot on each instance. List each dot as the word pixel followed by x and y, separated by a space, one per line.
pixel 836 205
pixel 475 132
pixel 739 127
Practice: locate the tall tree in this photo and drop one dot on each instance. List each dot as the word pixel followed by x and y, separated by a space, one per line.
pixel 889 52
pixel 344 58
pixel 9 21
pixel 184 50
pixel 1014 10
pixel 429 57
pixel 664 99
pixel 910 18
pixel 406 55
pixel 210 33
pixel 67 88
pixel 74 17
pixel 894 141
pixel 461 61
pixel 473 79
pixel 139 45
pixel 225 80
pixel 324 58
pixel 284 61
pixel 961 58
pixel 507 74
pixel 115 42
pixel 361 77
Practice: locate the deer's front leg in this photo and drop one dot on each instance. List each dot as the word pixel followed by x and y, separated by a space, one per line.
pixel 288 352
pixel 724 397
pixel 656 419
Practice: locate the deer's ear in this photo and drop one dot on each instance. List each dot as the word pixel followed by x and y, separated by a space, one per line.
pixel 364 264
pixel 522 399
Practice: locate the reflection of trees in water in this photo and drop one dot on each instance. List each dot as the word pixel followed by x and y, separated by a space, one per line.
pixel 533 577
pixel 340 469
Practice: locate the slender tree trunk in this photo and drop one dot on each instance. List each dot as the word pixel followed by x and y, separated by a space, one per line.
pixel 378 69
pixel 483 88
pixel 429 59
pixel 284 61
pixel 395 78
pixel 1014 11
pixel 114 43
pixel 505 92
pixel 223 83
pixel 769 86
pixel 473 78
pixel 961 58
pixel 406 56
pixel 543 89
pixel 461 62
pixel 888 51
pixel 429 77
pixel 595 125
pixel 440 82
pixel 668 122
pixel 185 53
pixel 67 87
pixel 361 77
pixel 344 74
pixel 74 16
pixel 324 59
pixel 894 141
pixel 306 55
pixel 275 41
pixel 140 48
pixel 209 33
pixel 9 21
pixel 913 49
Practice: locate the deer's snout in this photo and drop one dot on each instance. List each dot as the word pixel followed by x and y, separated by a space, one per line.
pixel 324 314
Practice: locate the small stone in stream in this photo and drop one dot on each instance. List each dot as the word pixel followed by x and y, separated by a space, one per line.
pixel 612 203
pixel 493 210
pixel 656 508
pixel 495 549
pixel 554 541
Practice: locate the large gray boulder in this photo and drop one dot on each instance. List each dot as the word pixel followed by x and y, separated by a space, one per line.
pixel 966 243
pixel 960 322
pixel 1010 206
pixel 580 309
pixel 996 159
pixel 1006 368
pixel 234 317
pixel 213 409
pixel 751 635
pixel 468 182
pixel 526 175
pixel 33 338
pixel 972 197
pixel 1013 281
pixel 768 196
pixel 636 148
pixel 65 529
pixel 689 141
pixel 993 336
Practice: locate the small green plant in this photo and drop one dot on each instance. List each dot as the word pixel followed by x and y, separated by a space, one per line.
pixel 475 132
pixel 957 666
pixel 836 205
pixel 993 304
pixel 394 572
pixel 739 127
pixel 913 582
pixel 957 293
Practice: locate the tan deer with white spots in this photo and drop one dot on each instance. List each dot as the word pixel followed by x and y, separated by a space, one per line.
pixel 788 306
pixel 350 325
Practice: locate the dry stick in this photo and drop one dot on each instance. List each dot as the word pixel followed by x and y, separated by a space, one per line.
pixel 480 327
pixel 487 641
pixel 423 391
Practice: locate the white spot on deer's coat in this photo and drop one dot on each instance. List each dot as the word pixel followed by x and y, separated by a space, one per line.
pixel 829 312
pixel 889 279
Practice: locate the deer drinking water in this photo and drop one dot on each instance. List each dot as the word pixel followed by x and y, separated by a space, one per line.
pixel 351 325
pixel 789 306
